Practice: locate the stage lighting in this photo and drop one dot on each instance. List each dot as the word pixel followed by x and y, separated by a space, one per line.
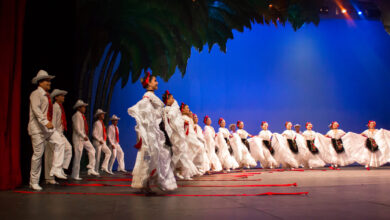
pixel 344 11
pixel 360 13
pixel 324 10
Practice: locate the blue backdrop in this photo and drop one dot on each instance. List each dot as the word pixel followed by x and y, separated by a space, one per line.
pixel 335 71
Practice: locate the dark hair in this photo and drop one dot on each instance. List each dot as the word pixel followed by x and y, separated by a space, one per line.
pixel 165 97
pixel 144 78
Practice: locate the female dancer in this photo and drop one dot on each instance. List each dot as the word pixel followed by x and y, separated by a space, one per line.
pixel 263 150
pixel 222 140
pixel 209 135
pixel 243 134
pixel 370 150
pixel 153 163
pixel 175 130
pixel 312 152
pixel 240 151
pixel 343 157
pixel 286 148
pixel 196 148
pixel 205 162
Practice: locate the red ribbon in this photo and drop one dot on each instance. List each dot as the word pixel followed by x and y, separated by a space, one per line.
pixel 50 108
pixel 139 144
pixel 186 124
pixel 63 118
pixel 104 131
pixel 146 81
pixel 117 134
pixel 176 195
pixel 85 124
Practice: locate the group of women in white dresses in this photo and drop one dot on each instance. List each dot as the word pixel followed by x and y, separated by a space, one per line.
pixel 171 144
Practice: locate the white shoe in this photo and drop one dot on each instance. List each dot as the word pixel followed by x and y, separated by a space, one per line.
pixel 63 173
pixel 58 174
pixel 92 172
pixel 36 187
pixel 51 182
pixel 124 171
pixel 77 178
pixel 179 176
pixel 188 178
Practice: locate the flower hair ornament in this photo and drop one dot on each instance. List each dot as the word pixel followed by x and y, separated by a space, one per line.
pixel 205 118
pixel 146 80
pixel 220 120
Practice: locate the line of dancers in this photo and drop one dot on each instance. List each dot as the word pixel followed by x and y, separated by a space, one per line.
pixel 171 144
pixel 46 127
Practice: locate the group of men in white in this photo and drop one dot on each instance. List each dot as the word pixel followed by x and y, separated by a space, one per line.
pixel 172 145
pixel 46 128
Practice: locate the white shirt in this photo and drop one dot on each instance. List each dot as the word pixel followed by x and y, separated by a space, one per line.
pixel 191 129
pixel 225 132
pixel 242 133
pixel 199 132
pixel 78 125
pixel 97 132
pixel 265 135
pixel 336 133
pixel 309 135
pixel 156 102
pixel 212 131
pixel 57 118
pixel 289 134
pixel 370 134
pixel 39 106
pixel 111 135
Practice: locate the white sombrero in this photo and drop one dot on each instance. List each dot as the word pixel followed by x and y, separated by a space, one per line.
pixel 57 92
pixel 42 74
pixel 98 112
pixel 79 103
pixel 114 118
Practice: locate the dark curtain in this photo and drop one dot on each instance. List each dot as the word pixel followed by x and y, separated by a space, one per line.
pixel 11 30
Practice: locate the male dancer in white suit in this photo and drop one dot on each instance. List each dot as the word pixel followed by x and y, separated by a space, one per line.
pixel 41 131
pixel 117 152
pixel 81 141
pixel 99 135
pixel 60 125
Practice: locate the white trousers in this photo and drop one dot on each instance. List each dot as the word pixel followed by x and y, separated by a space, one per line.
pixel 107 154
pixel 79 146
pixel 56 144
pixel 117 153
pixel 49 157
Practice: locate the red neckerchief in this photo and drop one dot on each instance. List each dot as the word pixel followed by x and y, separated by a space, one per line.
pixel 116 133
pixel 104 130
pixel 85 124
pixel 50 109
pixel 63 117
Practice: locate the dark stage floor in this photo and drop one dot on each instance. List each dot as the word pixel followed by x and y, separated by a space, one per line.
pixel 349 193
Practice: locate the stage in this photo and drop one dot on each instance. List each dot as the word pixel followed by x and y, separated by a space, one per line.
pixel 348 193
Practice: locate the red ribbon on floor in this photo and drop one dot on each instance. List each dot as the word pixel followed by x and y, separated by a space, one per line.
pixel 111 180
pixel 178 195
pixel 129 180
pixel 126 185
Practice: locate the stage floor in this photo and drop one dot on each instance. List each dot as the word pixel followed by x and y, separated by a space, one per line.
pixel 348 193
